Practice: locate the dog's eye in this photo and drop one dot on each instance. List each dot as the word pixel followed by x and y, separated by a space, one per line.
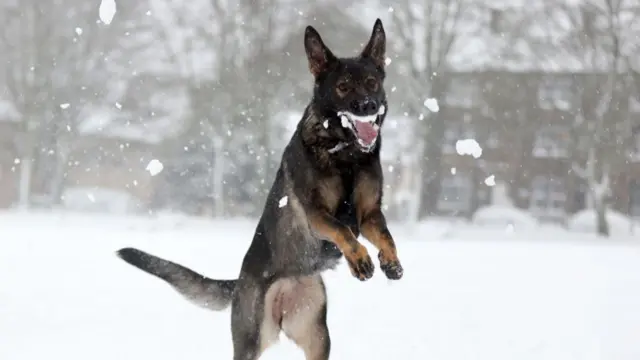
pixel 372 84
pixel 343 87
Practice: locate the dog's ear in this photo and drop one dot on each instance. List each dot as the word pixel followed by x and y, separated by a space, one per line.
pixel 319 56
pixel 377 46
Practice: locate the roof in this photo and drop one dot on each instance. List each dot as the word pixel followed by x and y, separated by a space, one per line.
pixel 159 112
pixel 107 122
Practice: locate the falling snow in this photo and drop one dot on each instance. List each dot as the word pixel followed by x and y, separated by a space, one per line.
pixel 345 121
pixel 107 11
pixel 468 147
pixel 154 167
pixel 490 181
pixel 432 105
pixel 64 106
pixel 283 201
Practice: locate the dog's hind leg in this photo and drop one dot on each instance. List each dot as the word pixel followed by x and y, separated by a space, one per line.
pixel 252 322
pixel 306 323
pixel 313 338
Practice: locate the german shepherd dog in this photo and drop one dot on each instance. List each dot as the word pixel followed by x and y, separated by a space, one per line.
pixel 331 177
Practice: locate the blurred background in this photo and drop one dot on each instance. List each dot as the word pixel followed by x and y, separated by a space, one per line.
pixel 185 106
pixel 511 157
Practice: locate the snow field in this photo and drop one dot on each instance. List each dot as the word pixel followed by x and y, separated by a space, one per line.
pixel 468 293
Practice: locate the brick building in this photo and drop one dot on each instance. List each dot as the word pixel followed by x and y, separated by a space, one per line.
pixel 525 132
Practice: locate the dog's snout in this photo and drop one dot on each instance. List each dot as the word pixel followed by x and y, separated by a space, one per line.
pixel 365 106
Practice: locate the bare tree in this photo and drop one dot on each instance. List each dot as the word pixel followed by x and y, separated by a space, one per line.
pixel 427 33
pixel 234 95
pixel 49 68
pixel 597 40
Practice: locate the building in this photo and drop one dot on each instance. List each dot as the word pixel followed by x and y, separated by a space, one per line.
pixel 528 144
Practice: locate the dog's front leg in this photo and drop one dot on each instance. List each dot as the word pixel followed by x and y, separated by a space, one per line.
pixel 373 225
pixel 356 254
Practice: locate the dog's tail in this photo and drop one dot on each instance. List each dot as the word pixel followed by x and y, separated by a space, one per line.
pixel 205 292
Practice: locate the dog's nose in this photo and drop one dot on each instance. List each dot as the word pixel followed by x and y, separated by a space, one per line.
pixel 365 106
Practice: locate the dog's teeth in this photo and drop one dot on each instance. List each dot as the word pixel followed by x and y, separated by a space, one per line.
pixel 326 124
pixel 382 110
pixel 376 127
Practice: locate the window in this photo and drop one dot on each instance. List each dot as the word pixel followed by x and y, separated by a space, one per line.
pixel 493 139
pixel 556 93
pixel 455 193
pixel 462 93
pixel 456 131
pixel 551 142
pixel 634 199
pixel 496 21
pixel 548 197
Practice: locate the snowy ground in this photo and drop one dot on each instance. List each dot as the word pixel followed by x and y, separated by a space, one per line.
pixel 468 293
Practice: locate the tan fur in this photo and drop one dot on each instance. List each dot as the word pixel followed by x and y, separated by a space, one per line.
pixel 330 189
pixel 292 305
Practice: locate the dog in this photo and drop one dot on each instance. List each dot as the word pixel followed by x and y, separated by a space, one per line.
pixel 331 177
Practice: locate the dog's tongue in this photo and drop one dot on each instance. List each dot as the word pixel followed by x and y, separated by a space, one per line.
pixel 366 132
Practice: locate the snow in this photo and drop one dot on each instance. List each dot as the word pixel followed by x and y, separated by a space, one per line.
pixel 490 180
pixel 585 221
pixel 502 214
pixel 345 122
pixel 96 199
pixel 154 167
pixel 468 147
pixel 432 105
pixel 346 115
pixel 505 217
pixel 107 11
pixel 283 201
pixel 64 106
pixel 546 294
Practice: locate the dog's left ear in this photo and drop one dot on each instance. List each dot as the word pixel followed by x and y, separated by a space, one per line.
pixel 376 48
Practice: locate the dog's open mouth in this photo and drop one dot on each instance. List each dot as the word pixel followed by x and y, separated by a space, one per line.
pixel 364 128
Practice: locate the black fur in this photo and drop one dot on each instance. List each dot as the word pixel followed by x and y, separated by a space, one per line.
pixel 331 173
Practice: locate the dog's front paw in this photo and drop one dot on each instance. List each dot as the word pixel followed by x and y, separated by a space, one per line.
pixel 360 262
pixel 390 264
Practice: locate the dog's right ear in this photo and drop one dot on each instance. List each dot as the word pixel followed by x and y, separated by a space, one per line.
pixel 319 56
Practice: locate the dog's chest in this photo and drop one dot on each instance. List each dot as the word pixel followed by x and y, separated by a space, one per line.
pixel 336 190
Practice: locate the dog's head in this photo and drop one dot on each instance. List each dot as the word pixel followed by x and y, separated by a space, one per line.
pixel 349 93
